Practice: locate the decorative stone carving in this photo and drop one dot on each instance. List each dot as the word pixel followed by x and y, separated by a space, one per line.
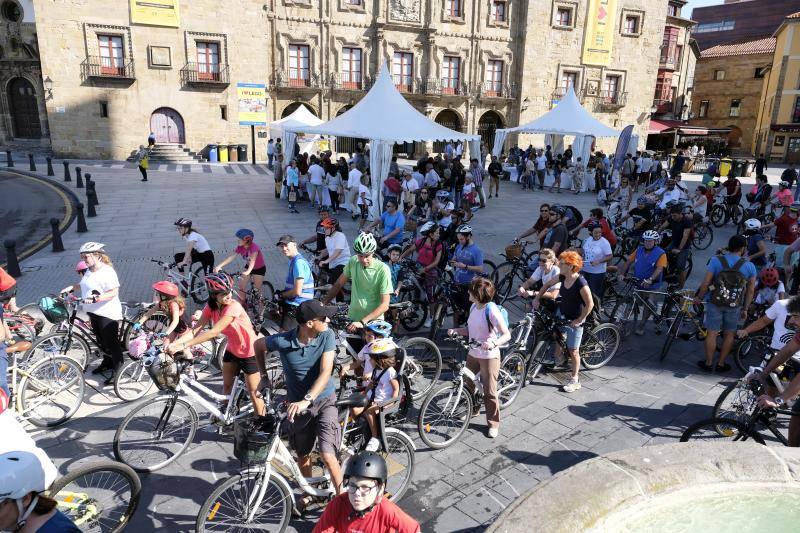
pixel 404 10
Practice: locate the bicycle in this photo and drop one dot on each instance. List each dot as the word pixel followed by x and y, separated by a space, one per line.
pixel 703 234
pixel 513 272
pixel 722 211
pixel 445 413
pixel 192 284
pixel 255 301
pixel 100 497
pixel 686 311
pixel 46 393
pixel 21 324
pixel 634 301
pixel 166 425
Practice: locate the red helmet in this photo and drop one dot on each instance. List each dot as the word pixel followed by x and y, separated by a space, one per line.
pixel 166 288
pixel 3 401
pixel 769 276
pixel 219 282
pixel 329 223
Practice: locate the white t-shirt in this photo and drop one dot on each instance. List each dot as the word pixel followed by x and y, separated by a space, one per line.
pixel 317 174
pixel 383 390
pixel 354 178
pixel 781 334
pixel 418 177
pixel 334 181
pixel 674 194
pixel 647 164
pixel 468 188
pixel 769 295
pixel 410 185
pixel 541 162
pixel 448 219
pixel 530 165
pixel 337 241
pixel 540 275
pixel 102 280
pixel 363 189
pixel 200 242
pixel 595 250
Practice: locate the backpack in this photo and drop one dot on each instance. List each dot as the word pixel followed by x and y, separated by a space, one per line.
pixel 503 313
pixel 729 285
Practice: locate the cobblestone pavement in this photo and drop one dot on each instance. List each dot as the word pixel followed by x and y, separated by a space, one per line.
pixel 634 401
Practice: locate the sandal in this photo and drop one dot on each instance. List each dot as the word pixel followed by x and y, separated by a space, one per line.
pixel 723 368
pixel 705 366
pixel 301 506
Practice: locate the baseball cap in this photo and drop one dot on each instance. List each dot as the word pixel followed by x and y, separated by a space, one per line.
pixel 285 239
pixel 311 309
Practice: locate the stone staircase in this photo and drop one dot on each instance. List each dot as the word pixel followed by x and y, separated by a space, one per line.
pixel 20 148
pixel 171 153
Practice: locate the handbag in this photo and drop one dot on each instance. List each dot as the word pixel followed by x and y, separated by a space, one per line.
pixel 292 195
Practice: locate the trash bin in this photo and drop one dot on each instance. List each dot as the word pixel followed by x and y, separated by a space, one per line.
pixel 725 165
pixel 213 154
pixel 223 153
pixel 232 152
pixel 242 152
pixel 737 169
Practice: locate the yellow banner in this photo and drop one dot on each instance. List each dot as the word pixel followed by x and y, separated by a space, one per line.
pixel 599 38
pixel 252 104
pixel 155 12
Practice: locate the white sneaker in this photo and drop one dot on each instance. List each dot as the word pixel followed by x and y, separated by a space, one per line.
pixel 493 433
pixel 428 322
pixel 572 386
pixel 373 445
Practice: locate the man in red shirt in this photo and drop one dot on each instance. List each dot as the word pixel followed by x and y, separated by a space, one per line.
pixel 541 225
pixel 363 508
pixel 596 215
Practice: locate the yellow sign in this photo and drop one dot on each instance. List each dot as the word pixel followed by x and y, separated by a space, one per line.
pixel 155 12
pixel 323 145
pixel 252 104
pixel 599 38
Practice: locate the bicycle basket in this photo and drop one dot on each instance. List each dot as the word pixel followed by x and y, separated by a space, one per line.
pixel 137 346
pixel 163 370
pixel 53 310
pixel 252 438
pixel 514 251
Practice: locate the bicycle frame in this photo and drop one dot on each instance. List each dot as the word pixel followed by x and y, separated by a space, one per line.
pixel 16 371
pixel 80 501
pixel 188 384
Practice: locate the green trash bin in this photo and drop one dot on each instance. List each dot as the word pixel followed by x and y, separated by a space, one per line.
pixel 232 154
pixel 242 152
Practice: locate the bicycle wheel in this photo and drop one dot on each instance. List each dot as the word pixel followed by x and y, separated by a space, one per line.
pixel 412 319
pixel 32 310
pixel 627 317
pixel 672 332
pixel 198 289
pixel 737 401
pixel 267 291
pixel 98 497
pixel 750 352
pixel 60 345
pixel 423 365
pixel 157 323
pixel 737 214
pixel 717 215
pixel 399 459
pixel 444 416
pixel 132 381
pixel 703 236
pixel 51 391
pixel 510 379
pixel 502 270
pixel 599 346
pixel 20 329
pixel 504 290
pixel 229 506
pixel 488 269
pixel 721 429
pixel 437 320
pixel 155 433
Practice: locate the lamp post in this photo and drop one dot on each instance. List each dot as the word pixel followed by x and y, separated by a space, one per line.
pixel 48 87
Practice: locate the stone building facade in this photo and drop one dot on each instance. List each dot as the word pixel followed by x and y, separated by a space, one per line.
pixel 119 73
pixel 679 53
pixel 23 119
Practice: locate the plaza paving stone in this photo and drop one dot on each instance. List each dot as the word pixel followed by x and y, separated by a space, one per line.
pixel 634 401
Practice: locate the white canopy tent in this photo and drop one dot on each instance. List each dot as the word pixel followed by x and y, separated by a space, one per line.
pixel 569 117
pixel 385 118
pixel 300 118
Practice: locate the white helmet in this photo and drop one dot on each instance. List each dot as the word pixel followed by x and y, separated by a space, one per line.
pixel 752 223
pixel 464 229
pixel 21 472
pixel 442 194
pixel 90 247
pixel 651 235
pixel 427 227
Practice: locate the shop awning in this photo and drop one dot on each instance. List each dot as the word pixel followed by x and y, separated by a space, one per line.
pixel 661 126
pixel 658 127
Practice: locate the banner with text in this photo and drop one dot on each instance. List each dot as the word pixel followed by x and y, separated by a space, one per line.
pixel 252 104
pixel 599 38
pixel 155 13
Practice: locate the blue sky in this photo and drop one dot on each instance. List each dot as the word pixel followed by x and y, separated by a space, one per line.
pixel 687 11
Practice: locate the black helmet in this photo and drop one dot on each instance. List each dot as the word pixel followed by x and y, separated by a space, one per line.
pixel 183 223
pixel 368 465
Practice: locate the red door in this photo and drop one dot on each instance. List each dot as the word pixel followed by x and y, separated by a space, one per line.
pixel 167 124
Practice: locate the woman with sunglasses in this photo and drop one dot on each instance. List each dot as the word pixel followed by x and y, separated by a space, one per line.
pixel 227 317
pixel 545 271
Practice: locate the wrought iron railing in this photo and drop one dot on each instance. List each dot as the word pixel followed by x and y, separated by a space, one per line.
pixel 497 89
pixel 201 74
pixel 612 98
pixel 107 67
pixel 297 79
pixel 350 81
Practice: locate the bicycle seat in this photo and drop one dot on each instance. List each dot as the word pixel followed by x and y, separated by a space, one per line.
pixel 400 305
pixel 18 347
pixel 354 400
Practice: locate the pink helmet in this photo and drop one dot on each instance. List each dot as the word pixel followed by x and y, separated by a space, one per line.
pixel 81 267
pixel 137 346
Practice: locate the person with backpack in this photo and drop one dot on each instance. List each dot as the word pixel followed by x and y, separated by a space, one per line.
pixel 727 291
pixel 488 325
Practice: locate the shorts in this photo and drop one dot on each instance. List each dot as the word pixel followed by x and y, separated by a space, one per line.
pixel 683 256
pixel 334 273
pixel 364 211
pixel 247 365
pixel 721 318
pixel 574 335
pixel 9 293
pixel 319 423
pixel 259 271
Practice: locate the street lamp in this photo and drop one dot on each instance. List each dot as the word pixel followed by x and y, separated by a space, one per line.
pixel 525 103
pixel 653 109
pixel 48 87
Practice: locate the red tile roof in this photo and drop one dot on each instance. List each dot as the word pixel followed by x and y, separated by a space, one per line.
pixel 759 46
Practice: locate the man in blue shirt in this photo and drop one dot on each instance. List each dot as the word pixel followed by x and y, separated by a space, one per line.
pixel 725 318
pixel 393 223
pixel 299 285
pixel 307 354
pixel 468 263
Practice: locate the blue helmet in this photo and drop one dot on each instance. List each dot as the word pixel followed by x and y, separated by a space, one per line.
pixel 245 234
pixel 379 327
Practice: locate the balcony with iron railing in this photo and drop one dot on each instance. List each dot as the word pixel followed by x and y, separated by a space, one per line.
pixel 669 62
pixel 445 87
pixel 350 81
pixel 497 89
pixel 297 79
pixel 202 74
pixel 107 68
pixel 408 84
pixel 560 92
pixel 611 99
pixel 662 106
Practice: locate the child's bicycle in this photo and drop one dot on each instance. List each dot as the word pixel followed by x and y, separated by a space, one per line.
pixel 255 301
pixel 191 284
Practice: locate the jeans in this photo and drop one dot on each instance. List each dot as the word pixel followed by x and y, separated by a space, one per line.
pixel 270 157
pixel 4 369
pixel 315 190
pixel 595 282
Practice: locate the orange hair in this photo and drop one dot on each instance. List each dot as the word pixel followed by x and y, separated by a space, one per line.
pixel 573 259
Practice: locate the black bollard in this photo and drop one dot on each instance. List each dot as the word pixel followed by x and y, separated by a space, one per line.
pixel 50 167
pixel 93 197
pixel 81 220
pixel 9 161
pixel 33 165
pixel 78 178
pixel 58 245
pixel 67 177
pixel 12 263
pixel 90 211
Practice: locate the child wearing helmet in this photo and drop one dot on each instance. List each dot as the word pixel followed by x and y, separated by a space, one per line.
pixel 197 247
pixel 361 364
pixel 169 302
pixel 770 288
pixel 443 209
pixel 254 259
pixel 756 246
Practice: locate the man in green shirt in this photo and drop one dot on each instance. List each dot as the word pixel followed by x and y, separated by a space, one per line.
pixel 370 284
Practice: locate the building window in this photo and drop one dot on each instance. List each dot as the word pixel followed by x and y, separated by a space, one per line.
pixel 669 45
pixel 568 79
pixel 631 25
pixel 735 107
pixel 223 112
pixel 104 109
pixel 351 68
pixel 11 11
pixel 796 113
pixel 403 70
pixel 678 56
pixel 719 75
pixel 299 65
pixel 208 61
pixel 708 27
pixel 494 78
pixel 759 72
pixel 453 8
pixel 353 2
pixel 673 10
pixel 451 74
pixel 663 88
pixel 112 57
pixel 703 111
pixel 563 17
pixel 611 86
pixel 498 11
